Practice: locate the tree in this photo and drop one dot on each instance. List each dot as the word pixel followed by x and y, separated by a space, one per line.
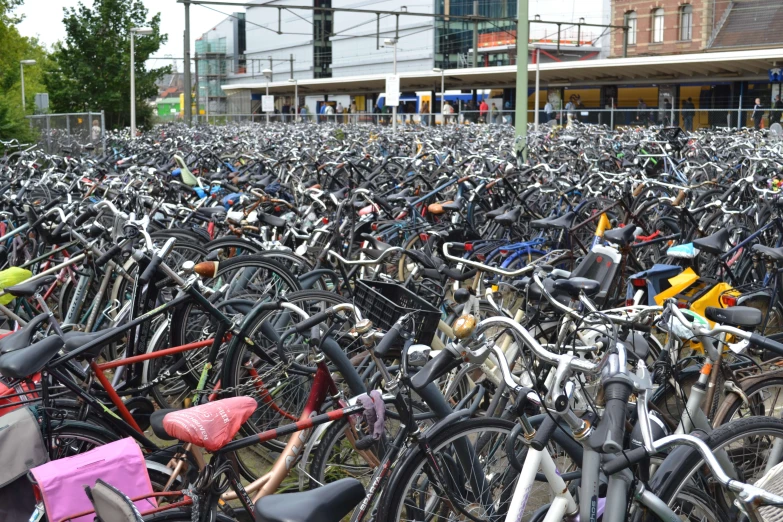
pixel 92 65
pixel 15 48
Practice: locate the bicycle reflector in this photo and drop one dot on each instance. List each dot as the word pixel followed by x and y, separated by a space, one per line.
pixel 424 236
pixel 468 247
pixel 639 282
pixel 728 300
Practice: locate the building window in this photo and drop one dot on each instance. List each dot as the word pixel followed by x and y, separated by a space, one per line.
pixel 657 25
pixel 686 22
pixel 630 21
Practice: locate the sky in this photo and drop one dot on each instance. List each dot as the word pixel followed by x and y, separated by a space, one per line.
pixel 43 18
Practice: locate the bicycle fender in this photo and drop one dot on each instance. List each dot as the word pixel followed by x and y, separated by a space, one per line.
pixel 436 428
pixel 680 459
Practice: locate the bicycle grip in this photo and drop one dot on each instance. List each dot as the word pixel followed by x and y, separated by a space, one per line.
pixel 58 229
pixel 89 212
pixel 624 461
pixel 766 343
pixel 459 276
pixel 150 270
pixel 53 203
pixel 608 437
pixel 389 340
pixel 435 367
pixel 311 321
pixel 639 327
pixel 113 251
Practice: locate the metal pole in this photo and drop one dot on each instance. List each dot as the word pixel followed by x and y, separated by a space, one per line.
pixel 739 108
pixel 611 115
pixel 24 107
pixel 296 101
pixel 133 89
pixel 198 89
pixel 625 42
pixel 187 84
pixel 475 34
pixel 394 108
pixel 538 74
pixel 103 129
pixel 442 94
pixel 292 66
pixel 523 30
pixel 267 93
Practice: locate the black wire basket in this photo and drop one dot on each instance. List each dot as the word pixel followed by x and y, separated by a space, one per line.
pixel 384 303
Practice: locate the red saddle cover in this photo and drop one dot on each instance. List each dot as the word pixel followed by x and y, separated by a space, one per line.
pixel 211 425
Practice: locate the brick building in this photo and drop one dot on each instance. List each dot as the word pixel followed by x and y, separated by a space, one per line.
pixel 688 26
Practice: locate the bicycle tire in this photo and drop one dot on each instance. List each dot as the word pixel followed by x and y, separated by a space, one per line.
pixel 734 402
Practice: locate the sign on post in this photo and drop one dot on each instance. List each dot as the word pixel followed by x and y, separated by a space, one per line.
pixel 267 103
pixel 392 90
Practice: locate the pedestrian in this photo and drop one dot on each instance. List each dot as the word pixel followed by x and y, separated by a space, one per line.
pixel 286 109
pixel 354 115
pixel 549 111
pixel 339 112
pixel 493 114
pixel 329 113
pixel 774 116
pixel 447 111
pixel 321 113
pixel 641 113
pixel 570 108
pixel 483 110
pixel 303 113
pixel 96 132
pixel 758 114
pixel 667 113
pixel 509 113
pixel 580 107
pixel 425 113
pixel 688 112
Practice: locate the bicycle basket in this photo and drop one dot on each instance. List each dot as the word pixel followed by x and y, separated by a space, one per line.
pixel 772 481
pixel 384 303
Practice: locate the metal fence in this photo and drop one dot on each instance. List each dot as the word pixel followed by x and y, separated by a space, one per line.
pixel 70 132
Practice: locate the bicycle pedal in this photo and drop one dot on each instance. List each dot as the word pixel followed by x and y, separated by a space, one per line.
pixel 365 443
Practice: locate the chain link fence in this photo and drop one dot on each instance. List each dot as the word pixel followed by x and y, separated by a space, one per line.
pixel 70 132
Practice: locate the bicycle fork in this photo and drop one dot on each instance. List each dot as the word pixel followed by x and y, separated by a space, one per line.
pixel 563 501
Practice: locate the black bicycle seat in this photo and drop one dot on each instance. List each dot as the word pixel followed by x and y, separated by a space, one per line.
pixel 75 340
pixel 340 194
pixel 492 214
pixel 29 288
pixel 400 196
pixel 22 338
pixel 620 236
pixel 564 221
pixel 156 423
pixel 375 242
pixel 211 212
pixel 272 221
pixel 715 243
pixel 21 364
pixel 329 503
pixel 575 285
pixel 738 316
pixel 453 206
pixel 774 253
pixel 510 217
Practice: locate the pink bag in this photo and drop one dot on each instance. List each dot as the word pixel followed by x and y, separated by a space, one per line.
pixel 62 482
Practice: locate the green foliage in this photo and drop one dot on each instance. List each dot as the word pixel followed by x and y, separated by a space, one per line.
pixel 91 68
pixel 15 47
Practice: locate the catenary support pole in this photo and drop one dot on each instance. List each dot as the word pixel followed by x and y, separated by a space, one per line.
pixel 538 84
pixel 187 86
pixel 523 29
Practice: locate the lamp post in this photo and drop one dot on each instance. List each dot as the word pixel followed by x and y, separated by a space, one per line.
pixel 21 67
pixel 296 98
pixel 393 43
pixel 143 31
pixel 268 74
pixel 442 90
pixel 536 49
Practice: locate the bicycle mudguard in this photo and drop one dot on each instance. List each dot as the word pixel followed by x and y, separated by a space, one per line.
pixel 679 460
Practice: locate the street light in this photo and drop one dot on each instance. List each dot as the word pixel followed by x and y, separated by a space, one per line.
pixel 537 49
pixel 296 98
pixel 268 74
pixel 442 90
pixel 21 67
pixel 141 31
pixel 393 42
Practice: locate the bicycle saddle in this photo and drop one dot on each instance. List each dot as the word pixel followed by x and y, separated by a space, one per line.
pixel 715 243
pixel 21 338
pixel 210 426
pixel 23 363
pixel 452 206
pixel 211 212
pixel 75 340
pixel 774 253
pixel 376 243
pixel 575 285
pixel 738 316
pixel 492 214
pixel 622 236
pixel 329 503
pixel 400 196
pixel 340 194
pixel 564 221
pixel 272 221
pixel 437 208
pixel 29 288
pixel 510 217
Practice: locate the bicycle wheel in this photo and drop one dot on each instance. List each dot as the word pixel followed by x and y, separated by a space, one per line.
pixel 746 443
pixel 73 438
pixel 764 398
pixel 420 490
pixel 181 515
